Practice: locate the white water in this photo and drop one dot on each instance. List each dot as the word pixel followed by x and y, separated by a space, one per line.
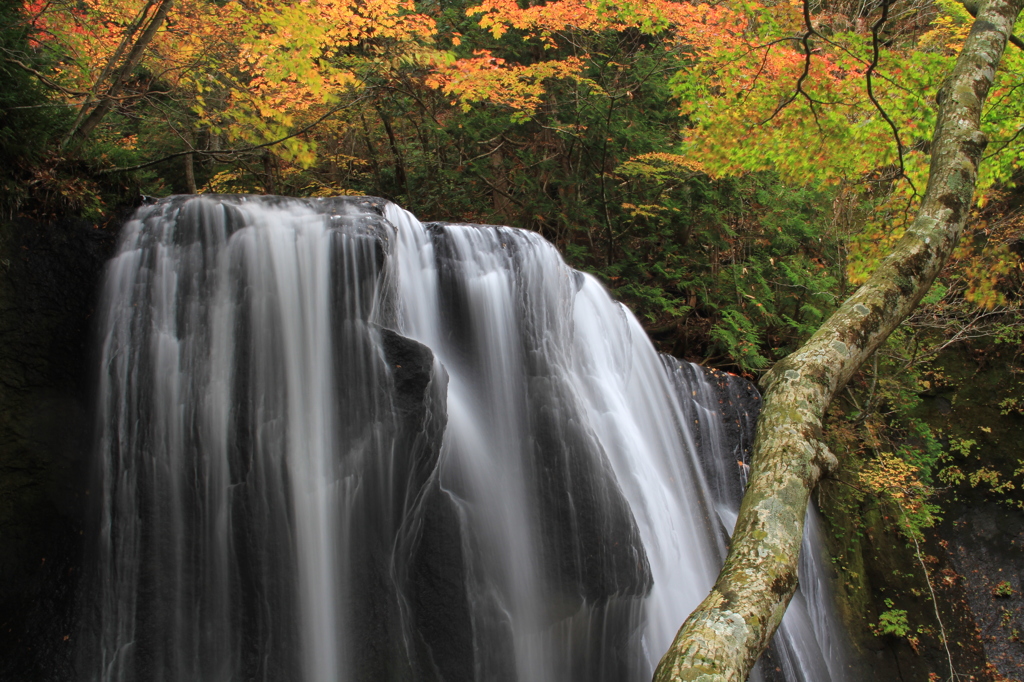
pixel 269 513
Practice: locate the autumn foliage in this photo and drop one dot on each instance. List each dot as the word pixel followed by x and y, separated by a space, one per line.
pixel 656 142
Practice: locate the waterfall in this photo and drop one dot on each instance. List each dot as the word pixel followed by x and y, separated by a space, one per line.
pixel 336 444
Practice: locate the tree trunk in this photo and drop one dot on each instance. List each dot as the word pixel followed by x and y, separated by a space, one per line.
pixel 499 190
pixel 190 162
pixel 120 79
pixel 724 636
pixel 108 69
pixel 269 173
pixel 190 174
pixel 400 176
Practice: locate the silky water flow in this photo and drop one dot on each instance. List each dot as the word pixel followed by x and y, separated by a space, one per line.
pixel 336 444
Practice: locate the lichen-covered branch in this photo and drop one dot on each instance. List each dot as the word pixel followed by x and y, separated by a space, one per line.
pixel 723 637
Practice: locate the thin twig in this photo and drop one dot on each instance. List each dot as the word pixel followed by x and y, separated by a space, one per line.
pixel 799 90
pixel 875 56
pixel 53 85
pixel 1005 144
pixel 229 152
pixel 928 580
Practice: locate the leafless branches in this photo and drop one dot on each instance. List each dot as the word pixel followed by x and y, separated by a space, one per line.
pixel 799 91
pixel 876 28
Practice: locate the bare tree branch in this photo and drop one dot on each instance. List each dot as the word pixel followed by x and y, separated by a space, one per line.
pixel 875 54
pixel 12 58
pixel 83 128
pixel 234 152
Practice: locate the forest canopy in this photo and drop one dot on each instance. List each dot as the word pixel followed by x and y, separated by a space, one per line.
pixel 731 169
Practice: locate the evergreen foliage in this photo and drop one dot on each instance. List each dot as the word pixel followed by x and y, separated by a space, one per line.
pixel 29 120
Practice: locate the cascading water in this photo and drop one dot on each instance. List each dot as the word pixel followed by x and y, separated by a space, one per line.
pixel 337 444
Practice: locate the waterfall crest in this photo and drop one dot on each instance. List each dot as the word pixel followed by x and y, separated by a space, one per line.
pixel 337 444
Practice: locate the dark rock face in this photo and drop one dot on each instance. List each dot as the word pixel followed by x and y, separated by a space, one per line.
pixel 986 546
pixel 434 588
pixel 594 547
pixel 49 278
pixel 974 401
pixel 733 403
pixel 383 584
